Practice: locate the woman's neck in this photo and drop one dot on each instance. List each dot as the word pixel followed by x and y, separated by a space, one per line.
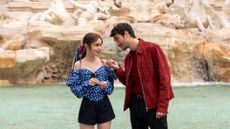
pixel 90 57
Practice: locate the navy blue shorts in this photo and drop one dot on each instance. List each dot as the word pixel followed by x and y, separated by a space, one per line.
pixel 92 113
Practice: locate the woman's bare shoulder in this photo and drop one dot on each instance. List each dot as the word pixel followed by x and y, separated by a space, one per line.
pixel 77 65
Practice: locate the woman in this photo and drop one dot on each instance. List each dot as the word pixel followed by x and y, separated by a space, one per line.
pixel 93 81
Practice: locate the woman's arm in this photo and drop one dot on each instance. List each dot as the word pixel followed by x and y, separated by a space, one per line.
pixel 109 84
pixel 78 86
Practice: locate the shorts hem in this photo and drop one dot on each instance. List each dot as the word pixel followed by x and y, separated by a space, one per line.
pixel 94 123
pixel 87 123
pixel 103 121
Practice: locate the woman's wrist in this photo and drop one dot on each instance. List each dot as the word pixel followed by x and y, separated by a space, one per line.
pixel 102 84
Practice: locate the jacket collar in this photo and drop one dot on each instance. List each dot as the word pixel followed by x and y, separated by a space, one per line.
pixel 140 48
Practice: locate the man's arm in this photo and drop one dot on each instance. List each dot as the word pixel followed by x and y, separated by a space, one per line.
pixel 163 72
pixel 121 75
pixel 117 69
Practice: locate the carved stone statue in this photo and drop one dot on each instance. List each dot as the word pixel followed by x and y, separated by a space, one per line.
pixel 202 16
pixel 137 10
pixel 91 12
pixel 56 15
pixel 221 21
pixel 168 14
pixel 226 9
pixel 197 16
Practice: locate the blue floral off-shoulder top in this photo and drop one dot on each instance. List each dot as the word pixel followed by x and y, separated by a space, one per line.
pixel 78 82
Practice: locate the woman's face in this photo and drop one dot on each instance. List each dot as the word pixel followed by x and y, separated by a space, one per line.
pixel 95 47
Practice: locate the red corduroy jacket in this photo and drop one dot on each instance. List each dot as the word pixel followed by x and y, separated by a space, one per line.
pixel 154 75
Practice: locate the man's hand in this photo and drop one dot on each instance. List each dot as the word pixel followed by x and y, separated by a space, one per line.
pixel 159 115
pixel 113 64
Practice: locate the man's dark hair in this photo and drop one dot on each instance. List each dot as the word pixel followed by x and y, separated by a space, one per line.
pixel 120 28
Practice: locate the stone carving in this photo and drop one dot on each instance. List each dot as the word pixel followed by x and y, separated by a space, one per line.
pixel 194 14
pixel 197 15
pixel 117 3
pixel 3 12
pixel 3 17
pixel 56 15
pixel 15 43
pixel 226 9
pixel 91 12
pixel 168 14
pixel 139 11
pixel 19 65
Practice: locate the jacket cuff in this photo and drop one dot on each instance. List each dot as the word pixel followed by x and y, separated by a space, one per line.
pixel 117 71
pixel 162 110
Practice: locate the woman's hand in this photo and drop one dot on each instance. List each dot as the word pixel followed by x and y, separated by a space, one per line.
pixel 103 84
pixel 94 81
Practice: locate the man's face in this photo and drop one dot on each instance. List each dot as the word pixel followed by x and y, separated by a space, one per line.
pixel 121 41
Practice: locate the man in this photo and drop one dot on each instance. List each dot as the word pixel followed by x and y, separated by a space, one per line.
pixel 146 77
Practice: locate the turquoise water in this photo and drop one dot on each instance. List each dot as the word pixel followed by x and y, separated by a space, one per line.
pixel 55 107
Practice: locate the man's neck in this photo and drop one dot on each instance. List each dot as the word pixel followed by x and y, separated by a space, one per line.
pixel 133 44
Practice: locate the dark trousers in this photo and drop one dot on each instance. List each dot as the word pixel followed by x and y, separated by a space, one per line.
pixel 142 119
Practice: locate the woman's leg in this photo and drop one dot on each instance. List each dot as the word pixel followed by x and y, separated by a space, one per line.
pixel 85 126
pixel 105 125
